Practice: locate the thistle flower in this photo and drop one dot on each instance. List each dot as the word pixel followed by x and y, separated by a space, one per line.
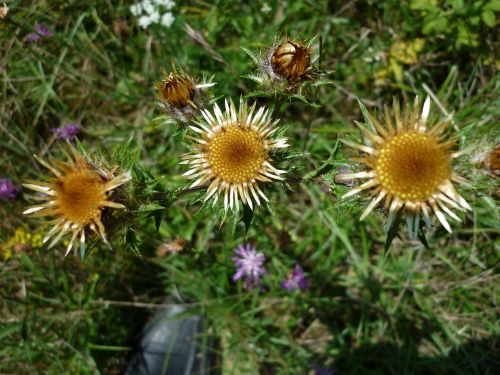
pixel 67 132
pixel 232 153
pixel 409 165
pixel 295 280
pixel 75 197
pixel 8 190
pixel 250 266
pixel 181 96
pixel 41 31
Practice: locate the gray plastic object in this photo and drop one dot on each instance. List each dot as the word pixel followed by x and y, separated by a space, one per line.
pixel 172 345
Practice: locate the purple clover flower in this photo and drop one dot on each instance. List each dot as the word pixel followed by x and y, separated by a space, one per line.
pixel 7 189
pixel 249 265
pixel 67 132
pixel 41 32
pixel 295 280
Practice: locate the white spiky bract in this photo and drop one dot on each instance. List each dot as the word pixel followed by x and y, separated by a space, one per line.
pixel 75 197
pixel 409 165
pixel 231 153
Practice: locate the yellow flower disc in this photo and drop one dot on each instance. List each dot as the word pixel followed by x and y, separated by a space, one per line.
pixel 80 196
pixel 236 154
pixel 412 166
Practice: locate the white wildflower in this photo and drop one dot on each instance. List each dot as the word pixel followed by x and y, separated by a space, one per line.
pixel 167 19
pixel 136 9
pixel 154 17
pixel 153 11
pixel 167 4
pixel 144 21
pixel 148 7
pixel 265 8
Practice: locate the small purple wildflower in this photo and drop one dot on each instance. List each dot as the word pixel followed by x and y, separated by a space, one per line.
pixel 249 265
pixel 7 189
pixel 67 132
pixel 41 32
pixel 295 280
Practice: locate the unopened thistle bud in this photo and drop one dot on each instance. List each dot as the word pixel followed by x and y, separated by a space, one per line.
pixel 177 90
pixel 291 60
pixel 286 66
pixel 181 96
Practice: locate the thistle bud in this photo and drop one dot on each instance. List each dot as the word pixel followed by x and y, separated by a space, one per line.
pixel 177 90
pixel 291 60
pixel 182 96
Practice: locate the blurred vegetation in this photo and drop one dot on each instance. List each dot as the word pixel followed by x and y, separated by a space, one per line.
pixel 412 311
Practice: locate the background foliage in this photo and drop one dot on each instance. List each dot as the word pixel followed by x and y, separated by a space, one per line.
pixel 414 310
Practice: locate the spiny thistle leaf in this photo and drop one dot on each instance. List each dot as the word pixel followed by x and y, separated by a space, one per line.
pixel 247 217
pixel 393 232
pixel 327 166
pixel 421 237
pixel 324 169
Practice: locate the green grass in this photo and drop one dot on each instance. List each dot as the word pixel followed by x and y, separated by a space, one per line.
pixel 410 311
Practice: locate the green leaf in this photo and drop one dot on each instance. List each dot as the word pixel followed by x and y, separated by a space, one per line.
pixel 437 25
pixel 304 100
pixel 8 330
pixel 368 117
pixel 109 348
pixel 324 169
pixel 150 207
pixel 393 231
pixel 252 55
pixel 466 37
pixel 488 18
pixel 421 237
pixel 247 217
pixel 259 94
pixel 28 263
pixel 493 5
pixel 456 4
pixel 158 216
pixel 474 21
pixel 132 242
pixel 425 5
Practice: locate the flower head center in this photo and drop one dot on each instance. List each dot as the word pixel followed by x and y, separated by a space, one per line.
pixel 411 166
pixel 80 196
pixel 236 154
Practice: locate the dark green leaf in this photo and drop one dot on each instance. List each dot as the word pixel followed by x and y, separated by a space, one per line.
pixel 393 232
pixel 247 217
pixel 488 18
